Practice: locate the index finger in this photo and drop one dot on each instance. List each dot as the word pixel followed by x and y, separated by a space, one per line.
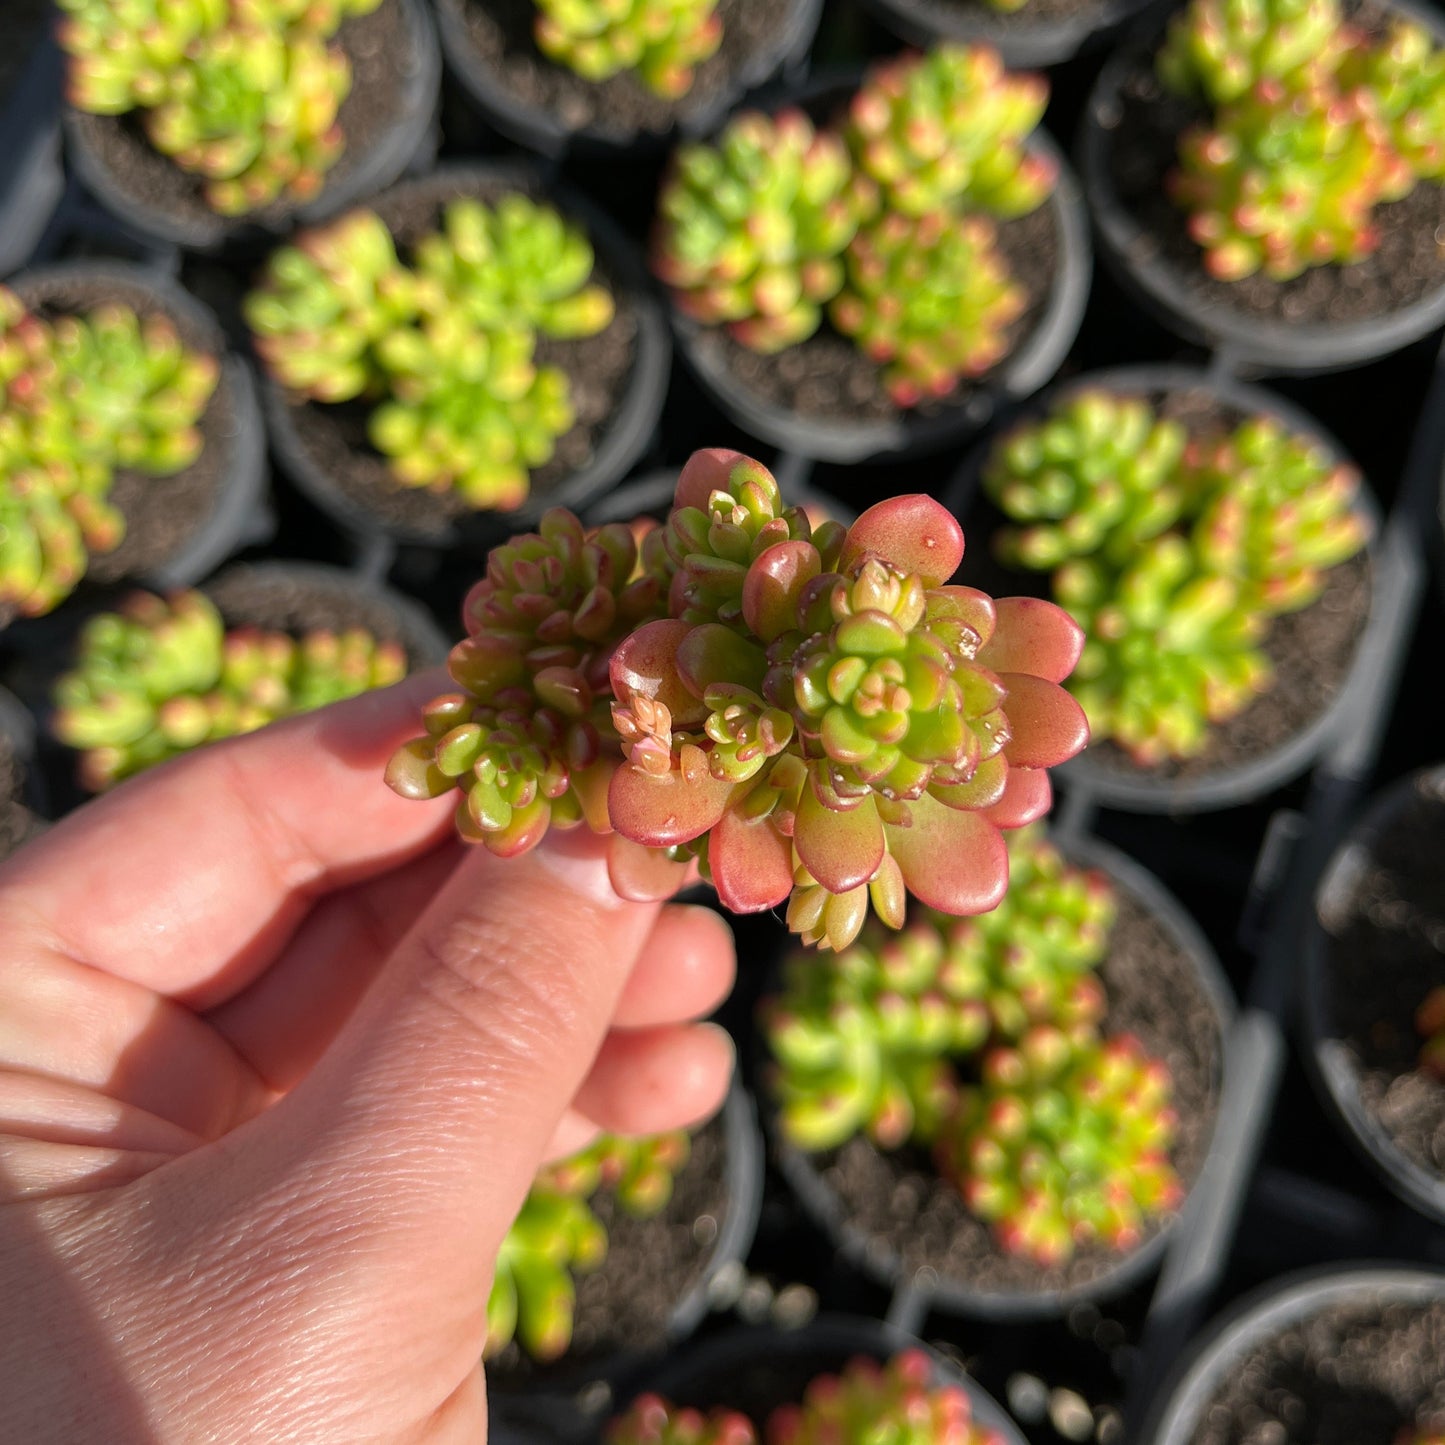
pixel 188 878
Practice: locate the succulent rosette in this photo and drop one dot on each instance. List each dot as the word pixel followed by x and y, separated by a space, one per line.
pixel 651 1420
pixel 814 717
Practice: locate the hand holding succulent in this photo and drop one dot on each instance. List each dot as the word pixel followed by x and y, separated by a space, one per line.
pixel 1065 1142
pixel 849 728
pixel 661 41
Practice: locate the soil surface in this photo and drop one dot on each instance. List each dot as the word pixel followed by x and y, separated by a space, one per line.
pixel 299 597
pixel 162 514
pixel 829 376
pixel 501 34
pixel 1386 951
pixel 1032 15
pixel 383 58
pixel 1408 265
pixel 651 1265
pixel 1356 1373
pixel 907 1211
pixel 599 367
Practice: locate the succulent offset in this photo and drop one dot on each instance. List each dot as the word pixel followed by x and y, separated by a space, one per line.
pixel 163 676
pixel 931 299
pixel 1099 470
pixel 1065 1142
pixel 444 348
pixel 896 1402
pixel 813 717
pixel 1430 1021
pixel 80 398
pixel 662 42
pixel 556 1236
pixel 1172 551
pixel 651 1420
pixel 751 231
pixel 243 94
pixel 1314 124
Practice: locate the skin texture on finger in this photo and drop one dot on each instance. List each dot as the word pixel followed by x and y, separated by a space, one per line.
pixel 686 970
pixel 650 1080
pixel 189 878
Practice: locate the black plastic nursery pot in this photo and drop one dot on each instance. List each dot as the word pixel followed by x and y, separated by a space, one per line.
pixel 1345 1355
pixel 758 1369
pixel 824 399
pixel 659 1280
pixel 619 380
pixel 387 118
pixel 1040 32
pixel 529 99
pixel 1328 318
pixel 1316 652
pixel 897 1222
pixel 32 178
pixel 21 790
pixel 178 528
pixel 1371 954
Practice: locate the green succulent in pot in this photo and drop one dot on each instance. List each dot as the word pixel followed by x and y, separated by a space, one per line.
pixel 819 718
pixel 662 42
pixel 651 1420
pixel 1430 1021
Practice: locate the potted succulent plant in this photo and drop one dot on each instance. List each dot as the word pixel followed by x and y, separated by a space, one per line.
pixel 1211 542
pixel 836 1379
pixel 132 443
pixel 1013 1106
pixel 198 122
pixel 19 778
pixel 32 178
pixel 1333 1356
pixel 617 74
pixel 1373 992
pixel 866 271
pixel 617 1254
pixel 808 716
pixel 649 496
pixel 1302 148
pixel 156 676
pixel 468 350
pixel 1024 32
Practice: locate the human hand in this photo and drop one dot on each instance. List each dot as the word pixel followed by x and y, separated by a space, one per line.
pixel 278 1061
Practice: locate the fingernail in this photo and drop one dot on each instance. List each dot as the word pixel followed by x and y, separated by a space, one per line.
pixel 582 870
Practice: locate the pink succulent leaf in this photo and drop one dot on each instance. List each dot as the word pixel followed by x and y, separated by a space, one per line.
pixel 750 861
pixel 913 533
pixel 973 608
pixel 646 663
pixel 712 653
pixel 1046 725
pixel 775 582
pixel 643 875
pixel 1033 636
pixel 951 860
pixel 842 850
pixel 986 787
pixel 662 812
pixel 1028 795
pixel 705 472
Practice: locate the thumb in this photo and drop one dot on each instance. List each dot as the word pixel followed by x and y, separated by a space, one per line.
pixel 430 1114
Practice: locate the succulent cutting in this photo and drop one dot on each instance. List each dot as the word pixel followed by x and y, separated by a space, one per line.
pixel 1172 549
pixel 443 347
pixel 1430 1021
pixel 242 94
pixel 661 42
pixel 557 1236
pixel 1315 123
pixel 163 675
pixel 82 396
pixel 811 716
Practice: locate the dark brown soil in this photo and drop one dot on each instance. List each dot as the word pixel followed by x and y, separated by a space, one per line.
pixel 1386 952
pixel 1353 1374
pixel 651 1265
pixel 599 367
pixel 162 514
pixel 1032 15
pixel 1409 264
pixel 299 597
pixel 17 822
pixel 901 1204
pixel 829 376
pixel 382 58
pixel 500 32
